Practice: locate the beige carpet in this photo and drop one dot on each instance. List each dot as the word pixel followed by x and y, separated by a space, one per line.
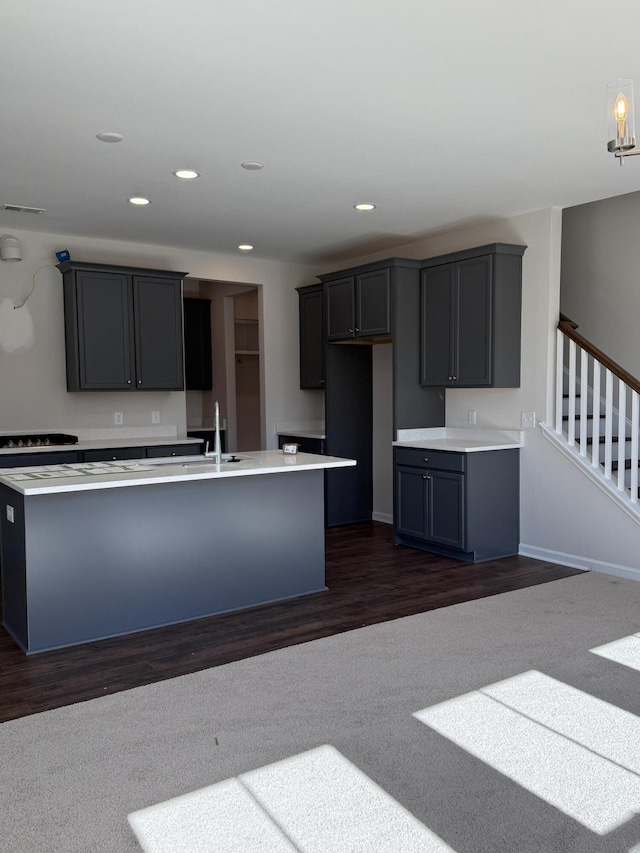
pixel 492 723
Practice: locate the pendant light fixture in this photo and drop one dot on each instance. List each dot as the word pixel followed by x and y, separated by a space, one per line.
pixel 620 119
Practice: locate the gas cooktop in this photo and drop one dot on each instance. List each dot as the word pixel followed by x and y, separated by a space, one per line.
pixel 43 439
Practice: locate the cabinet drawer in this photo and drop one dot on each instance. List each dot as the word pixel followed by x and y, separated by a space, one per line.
pixel 174 450
pixel 440 459
pixel 22 460
pixel 113 454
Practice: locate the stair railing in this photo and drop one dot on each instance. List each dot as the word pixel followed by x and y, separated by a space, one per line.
pixel 583 398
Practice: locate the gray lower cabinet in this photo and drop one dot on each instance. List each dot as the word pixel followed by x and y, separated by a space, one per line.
pixel 109 454
pixel 123 328
pixel 464 505
pixel 153 452
pixel 26 460
pixel 470 318
pixel 113 454
pixel 431 505
pixel 165 450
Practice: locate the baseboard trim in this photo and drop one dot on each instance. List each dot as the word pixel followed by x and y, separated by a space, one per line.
pixel 578 562
pixel 384 517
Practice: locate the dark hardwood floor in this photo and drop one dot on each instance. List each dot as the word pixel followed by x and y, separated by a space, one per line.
pixel 369 579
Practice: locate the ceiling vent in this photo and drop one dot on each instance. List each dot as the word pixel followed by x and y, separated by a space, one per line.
pixel 19 208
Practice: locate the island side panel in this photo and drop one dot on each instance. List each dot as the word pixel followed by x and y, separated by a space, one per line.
pixel 112 561
pixel 13 564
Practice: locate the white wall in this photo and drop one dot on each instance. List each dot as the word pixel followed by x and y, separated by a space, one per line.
pixel 33 393
pixel 601 275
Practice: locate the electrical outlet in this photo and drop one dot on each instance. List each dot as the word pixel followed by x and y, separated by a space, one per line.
pixel 472 417
pixel 118 418
pixel 528 420
pixel 155 417
pixel 10 516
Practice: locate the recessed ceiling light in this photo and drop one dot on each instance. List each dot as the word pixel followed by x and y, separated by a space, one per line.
pixel 252 165
pixel 245 247
pixel 187 174
pixel 107 136
pixel 139 200
pixel 365 205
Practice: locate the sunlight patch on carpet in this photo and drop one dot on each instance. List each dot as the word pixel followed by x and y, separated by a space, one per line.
pixel 625 651
pixel 574 751
pixel 316 802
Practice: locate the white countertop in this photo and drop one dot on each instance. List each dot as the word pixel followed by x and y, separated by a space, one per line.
pixel 301 429
pixel 299 433
pixel 460 440
pixel 50 479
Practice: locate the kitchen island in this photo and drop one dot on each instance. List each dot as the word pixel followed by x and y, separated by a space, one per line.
pixel 95 551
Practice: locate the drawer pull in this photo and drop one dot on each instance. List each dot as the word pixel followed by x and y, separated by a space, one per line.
pixel 426 458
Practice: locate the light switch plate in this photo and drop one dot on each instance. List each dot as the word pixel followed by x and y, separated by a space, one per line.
pixel 528 420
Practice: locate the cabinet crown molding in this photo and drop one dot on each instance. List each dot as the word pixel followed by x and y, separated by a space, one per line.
pixel 465 254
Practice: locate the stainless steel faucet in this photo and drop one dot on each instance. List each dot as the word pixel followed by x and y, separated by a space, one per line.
pixel 217 447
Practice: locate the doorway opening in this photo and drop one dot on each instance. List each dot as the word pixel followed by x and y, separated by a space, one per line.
pixel 237 374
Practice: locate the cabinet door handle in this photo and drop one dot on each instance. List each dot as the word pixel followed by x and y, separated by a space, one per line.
pixel 426 477
pixel 351 330
pixel 128 382
pixel 454 378
pixel 139 381
pixel 357 329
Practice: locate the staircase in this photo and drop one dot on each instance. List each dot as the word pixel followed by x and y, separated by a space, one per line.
pixel 597 416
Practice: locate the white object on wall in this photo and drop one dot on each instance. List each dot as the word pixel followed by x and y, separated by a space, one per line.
pixel 16 327
pixel 10 249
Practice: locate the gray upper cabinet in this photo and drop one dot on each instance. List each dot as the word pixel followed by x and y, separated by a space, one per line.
pixel 123 328
pixel 358 306
pixel 198 365
pixel 312 336
pixel 470 318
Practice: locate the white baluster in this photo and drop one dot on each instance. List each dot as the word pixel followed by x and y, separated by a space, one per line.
pixel 634 447
pixel 571 423
pixel 608 423
pixel 595 408
pixel 622 432
pixel 584 394
pixel 559 379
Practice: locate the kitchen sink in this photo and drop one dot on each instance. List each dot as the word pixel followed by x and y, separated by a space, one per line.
pixel 226 458
pixel 195 461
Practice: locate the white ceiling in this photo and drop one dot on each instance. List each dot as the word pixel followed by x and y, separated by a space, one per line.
pixel 441 113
